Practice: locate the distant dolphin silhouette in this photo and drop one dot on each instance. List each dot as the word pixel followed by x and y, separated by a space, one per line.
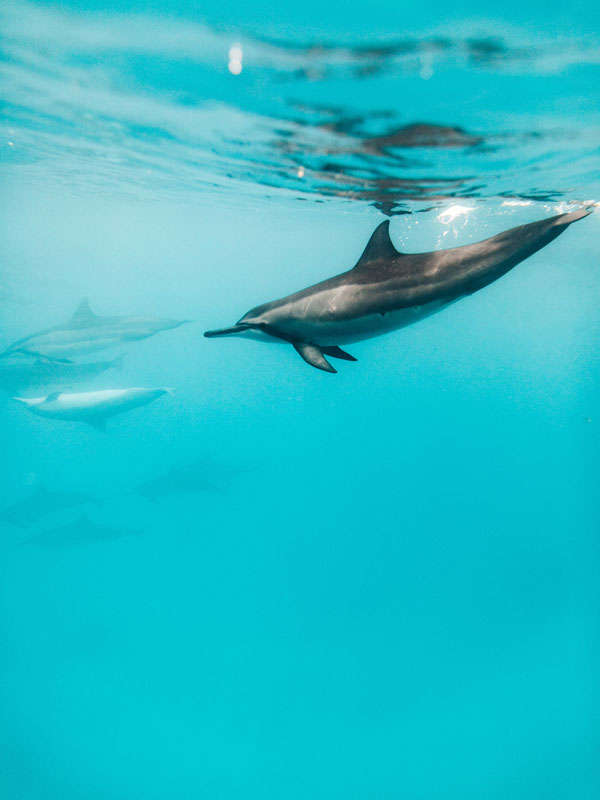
pixel 387 290
pixel 86 332
pixel 204 475
pixel 45 501
pixel 81 531
pixel 91 407
pixel 27 372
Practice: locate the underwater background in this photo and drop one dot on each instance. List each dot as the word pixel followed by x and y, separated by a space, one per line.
pixel 278 583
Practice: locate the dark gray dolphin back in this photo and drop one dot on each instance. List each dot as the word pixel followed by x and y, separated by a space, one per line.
pixel 443 275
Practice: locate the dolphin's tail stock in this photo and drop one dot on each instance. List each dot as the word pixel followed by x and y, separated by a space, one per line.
pixel 499 254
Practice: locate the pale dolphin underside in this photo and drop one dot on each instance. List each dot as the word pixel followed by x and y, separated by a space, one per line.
pixel 91 407
pixel 387 290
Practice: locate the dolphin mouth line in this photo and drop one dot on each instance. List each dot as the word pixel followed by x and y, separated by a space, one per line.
pixel 239 328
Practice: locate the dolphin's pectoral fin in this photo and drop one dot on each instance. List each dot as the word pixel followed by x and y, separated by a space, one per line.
pixel 337 352
pixel 313 355
pixel 99 423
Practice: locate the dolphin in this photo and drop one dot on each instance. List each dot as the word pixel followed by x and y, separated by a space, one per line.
pixel 386 290
pixel 81 531
pixel 204 475
pixel 86 332
pixel 91 407
pixel 26 372
pixel 45 501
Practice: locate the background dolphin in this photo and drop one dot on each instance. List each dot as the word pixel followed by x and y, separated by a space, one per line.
pixel 91 407
pixel 25 372
pixel 81 531
pixel 86 332
pixel 45 501
pixel 387 290
pixel 203 475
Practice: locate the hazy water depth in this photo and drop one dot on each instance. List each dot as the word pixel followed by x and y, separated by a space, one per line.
pixel 287 584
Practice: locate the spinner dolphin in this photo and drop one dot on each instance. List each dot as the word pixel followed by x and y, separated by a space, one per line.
pixel 87 332
pixel 91 407
pixel 387 290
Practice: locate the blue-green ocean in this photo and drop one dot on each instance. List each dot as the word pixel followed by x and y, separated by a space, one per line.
pixel 274 583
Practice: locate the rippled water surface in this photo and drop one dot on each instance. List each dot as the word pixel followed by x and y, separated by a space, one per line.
pixel 273 582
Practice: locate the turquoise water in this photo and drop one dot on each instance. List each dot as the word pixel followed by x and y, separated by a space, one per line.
pixel 275 582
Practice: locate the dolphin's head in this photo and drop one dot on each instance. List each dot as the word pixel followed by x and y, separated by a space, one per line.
pixel 253 325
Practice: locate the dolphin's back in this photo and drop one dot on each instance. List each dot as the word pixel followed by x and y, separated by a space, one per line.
pixel 385 280
pixel 405 280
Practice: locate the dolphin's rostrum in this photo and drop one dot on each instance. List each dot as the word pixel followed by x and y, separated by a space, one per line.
pixel 387 290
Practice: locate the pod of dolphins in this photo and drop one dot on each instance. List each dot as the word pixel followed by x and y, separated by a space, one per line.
pixel 44 504
pixel 385 290
pixel 43 361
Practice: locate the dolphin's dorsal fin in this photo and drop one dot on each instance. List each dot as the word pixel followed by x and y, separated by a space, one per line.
pixel 53 396
pixel 84 314
pixel 379 247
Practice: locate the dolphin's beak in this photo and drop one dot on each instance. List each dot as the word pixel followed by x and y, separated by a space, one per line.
pixel 239 328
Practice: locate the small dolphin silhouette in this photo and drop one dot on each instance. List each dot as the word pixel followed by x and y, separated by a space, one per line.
pixel 204 475
pixel 387 290
pixel 45 501
pixel 81 531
